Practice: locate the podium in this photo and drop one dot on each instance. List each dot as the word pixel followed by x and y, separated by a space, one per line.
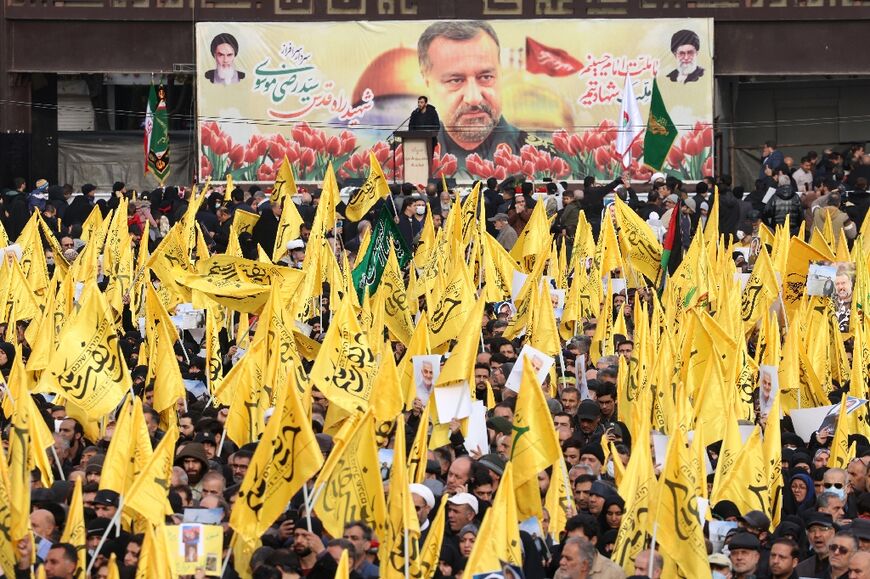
pixel 417 147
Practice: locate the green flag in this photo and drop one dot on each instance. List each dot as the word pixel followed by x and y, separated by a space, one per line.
pixel 660 132
pixel 157 135
pixel 367 275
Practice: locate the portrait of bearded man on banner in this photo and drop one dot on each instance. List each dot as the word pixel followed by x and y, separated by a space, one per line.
pixel 224 49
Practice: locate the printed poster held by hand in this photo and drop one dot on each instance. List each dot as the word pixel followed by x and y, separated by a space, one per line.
pixel 539 361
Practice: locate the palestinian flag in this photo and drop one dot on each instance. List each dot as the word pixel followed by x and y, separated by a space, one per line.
pixel 668 246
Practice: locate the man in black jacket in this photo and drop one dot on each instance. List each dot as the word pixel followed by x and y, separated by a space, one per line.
pixel 424 117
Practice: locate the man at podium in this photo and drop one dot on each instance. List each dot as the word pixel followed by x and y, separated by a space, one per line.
pixel 424 117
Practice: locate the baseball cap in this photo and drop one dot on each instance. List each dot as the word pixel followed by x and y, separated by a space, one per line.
pixel 205 438
pixel 106 497
pixel 588 410
pixel 817 518
pixel 745 540
pixel 493 462
pixel 499 217
pixel 719 560
pixel 465 499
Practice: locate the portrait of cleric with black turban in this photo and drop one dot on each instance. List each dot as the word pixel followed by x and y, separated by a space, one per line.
pixel 685 45
pixel 224 49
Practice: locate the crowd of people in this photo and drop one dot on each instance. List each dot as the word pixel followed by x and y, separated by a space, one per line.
pixel 816 522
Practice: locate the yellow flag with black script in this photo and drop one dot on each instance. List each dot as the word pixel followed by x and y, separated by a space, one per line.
pixel 285 182
pixel 74 529
pixel 352 487
pixel 559 501
pixel 147 495
pixel 8 546
pixel 213 358
pixel 772 446
pixel 498 270
pixel 244 221
pixel 88 366
pixel 286 457
pixel 760 292
pixel 288 228
pixel 638 244
pixel 419 454
pixel 41 437
pixel 499 537
pixel 746 482
pixel 171 255
pixel 162 364
pixel 680 531
pixel 374 188
pixel 450 312
pixel 155 559
pixel 129 450
pixel 840 450
pixel 638 487
pixel 430 554
pixel 249 400
pixel 397 314
pixel 459 366
pixel 345 369
pixel 19 470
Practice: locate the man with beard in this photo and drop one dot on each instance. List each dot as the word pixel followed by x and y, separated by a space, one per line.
pixel 307 546
pixel 194 461
pixel 224 48
pixel 685 45
pixel 843 299
pixel 459 61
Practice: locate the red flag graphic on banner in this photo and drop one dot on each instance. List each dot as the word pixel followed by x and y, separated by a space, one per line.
pixel 541 59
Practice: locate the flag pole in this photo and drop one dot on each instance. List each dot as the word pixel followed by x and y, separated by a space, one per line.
pixel 229 554
pixel 307 506
pixel 223 438
pixel 112 523
pixel 57 462
pixel 652 548
pixel 405 549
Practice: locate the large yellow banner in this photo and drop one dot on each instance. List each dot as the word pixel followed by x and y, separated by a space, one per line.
pixel 542 98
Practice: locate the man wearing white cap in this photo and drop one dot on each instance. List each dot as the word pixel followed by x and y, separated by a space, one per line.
pixel 424 501
pixel 461 510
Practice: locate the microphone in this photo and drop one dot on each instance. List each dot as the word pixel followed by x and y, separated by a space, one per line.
pixel 392 136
